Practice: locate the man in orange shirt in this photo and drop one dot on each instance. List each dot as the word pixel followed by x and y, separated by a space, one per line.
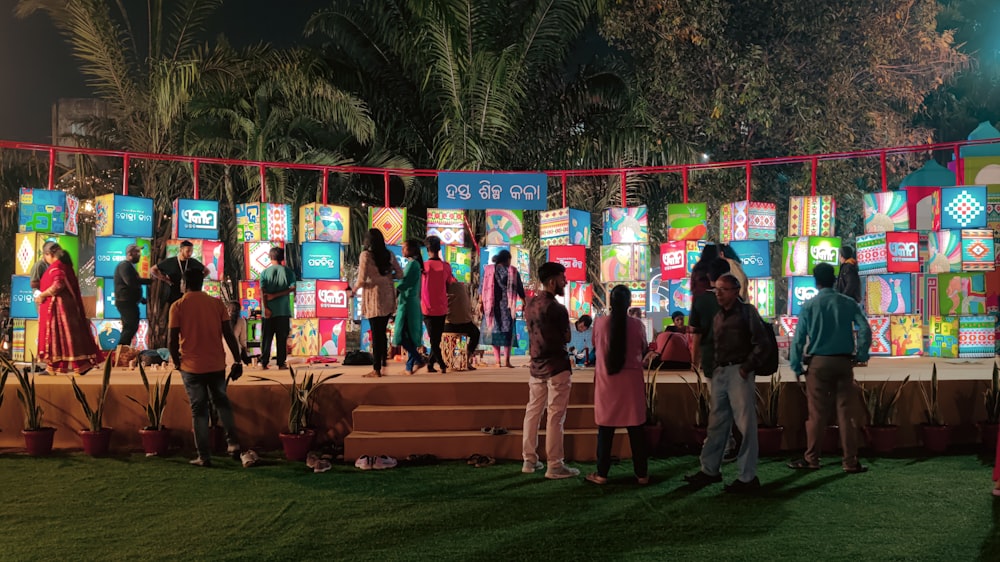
pixel 198 324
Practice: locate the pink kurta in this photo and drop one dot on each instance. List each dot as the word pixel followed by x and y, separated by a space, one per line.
pixel 620 399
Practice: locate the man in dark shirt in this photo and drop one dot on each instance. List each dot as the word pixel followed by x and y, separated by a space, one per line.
pixel 549 384
pixel 739 346
pixel 848 283
pixel 128 293
pixel 171 271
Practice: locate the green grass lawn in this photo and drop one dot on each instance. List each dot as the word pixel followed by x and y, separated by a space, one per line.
pixel 74 507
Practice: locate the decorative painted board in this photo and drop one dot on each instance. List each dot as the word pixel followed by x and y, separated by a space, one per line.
pixel 888 294
pixel 943 341
pixel 888 252
pixel 305 299
pixel 762 295
pixel 886 212
pixel 250 303
pixel 195 218
pixel 679 296
pixel 924 207
pixel 624 262
pixel 256 258
pixel 50 211
pixel 448 225
pixel 755 257
pixel 461 262
pixel 391 221
pixel 944 252
pixel 332 300
pixel 573 258
pixel 121 215
pixel 626 225
pixel 504 227
pixel 29 245
pixel 963 207
pixel 962 294
pixel 748 220
pixel 982 170
pixel 677 259
pixel 812 216
pixel 322 260
pixel 880 335
pixel 906 335
pixel 786 326
pixel 332 337
pixel 687 221
pixel 800 290
pixel 260 222
pixel 799 255
pixel 976 336
pixel 581 298
pixel 303 340
pixel 325 223
pixel 22 298
pixel 564 227
pixel 109 251
pixel 978 250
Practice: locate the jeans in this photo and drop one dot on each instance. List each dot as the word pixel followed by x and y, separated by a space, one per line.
pixel 200 388
pixel 413 356
pixel 734 400
pixel 435 327
pixel 469 329
pixel 380 343
pixel 129 312
pixel 275 327
pixel 552 393
pixel 636 440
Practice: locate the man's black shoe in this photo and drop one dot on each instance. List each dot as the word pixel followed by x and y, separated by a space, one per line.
pixel 741 487
pixel 700 479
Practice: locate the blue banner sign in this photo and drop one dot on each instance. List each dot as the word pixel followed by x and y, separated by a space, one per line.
pixel 321 260
pixel 133 216
pixel 22 298
pixel 468 190
pixel 195 219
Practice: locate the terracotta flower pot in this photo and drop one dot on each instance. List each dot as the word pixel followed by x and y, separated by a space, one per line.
pixel 155 442
pixel 988 435
pixel 937 438
pixel 38 442
pixel 769 439
pixel 882 439
pixel 96 443
pixel 654 435
pixel 831 438
pixel 297 445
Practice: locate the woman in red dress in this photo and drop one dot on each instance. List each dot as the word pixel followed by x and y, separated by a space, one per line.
pixel 65 341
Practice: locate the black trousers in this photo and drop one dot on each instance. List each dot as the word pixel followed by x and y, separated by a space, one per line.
pixel 469 329
pixel 435 327
pixel 380 342
pixel 275 327
pixel 636 439
pixel 129 312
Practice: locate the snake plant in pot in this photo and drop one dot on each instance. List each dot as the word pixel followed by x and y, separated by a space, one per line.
pixel 299 438
pixel 37 437
pixel 96 438
pixel 702 399
pixel 653 427
pixel 155 436
pixel 936 434
pixel 881 403
pixel 769 431
pixel 991 398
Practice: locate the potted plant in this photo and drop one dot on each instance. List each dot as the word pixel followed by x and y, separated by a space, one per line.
pixel 37 438
pixel 936 434
pixel 155 436
pixel 991 397
pixel 299 438
pixel 653 427
pixel 881 410
pixel 703 404
pixel 769 431
pixel 96 438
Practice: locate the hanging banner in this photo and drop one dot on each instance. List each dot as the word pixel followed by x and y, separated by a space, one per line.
pixel 467 190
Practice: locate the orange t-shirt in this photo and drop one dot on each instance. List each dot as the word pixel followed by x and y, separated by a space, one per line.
pixel 200 319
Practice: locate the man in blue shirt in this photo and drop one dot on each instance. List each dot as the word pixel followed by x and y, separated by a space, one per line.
pixel 825 333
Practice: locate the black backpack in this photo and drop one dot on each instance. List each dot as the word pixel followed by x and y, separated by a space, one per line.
pixel 769 362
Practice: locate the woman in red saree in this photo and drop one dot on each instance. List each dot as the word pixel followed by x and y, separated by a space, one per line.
pixel 65 342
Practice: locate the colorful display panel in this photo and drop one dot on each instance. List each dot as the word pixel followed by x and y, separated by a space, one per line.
pixel 332 300
pixel 448 225
pixel 121 215
pixel 976 336
pixel 109 251
pixel 624 262
pixel 944 252
pixel 322 260
pixel 924 207
pixel 324 223
pixel 504 227
pixel 461 262
pixel 963 207
pixel 880 335
pixel 256 258
pixel 755 257
pixel 748 220
pixel 49 211
pixel 888 252
pixel 305 299
pixel 799 255
pixel 888 294
pixel 961 294
pixel 943 341
pixel 886 212
pixel 762 294
pixel 573 258
pixel 812 216
pixel 303 340
pixel 264 222
pixel 906 333
pixel 687 221
pixel 564 227
pixel 29 249
pixel 333 337
pixel 800 290
pixel 22 298
pixel 391 221
pixel 978 250
pixel 195 218
pixel 626 225
pixel 209 252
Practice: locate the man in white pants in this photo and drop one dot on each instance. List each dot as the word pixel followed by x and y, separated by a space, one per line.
pixel 549 384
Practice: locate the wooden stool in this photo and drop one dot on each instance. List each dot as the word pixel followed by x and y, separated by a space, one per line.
pixel 455 351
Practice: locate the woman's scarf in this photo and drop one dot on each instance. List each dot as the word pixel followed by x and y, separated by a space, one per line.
pixel 489 275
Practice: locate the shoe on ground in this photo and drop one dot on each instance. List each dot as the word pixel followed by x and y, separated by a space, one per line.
pixel 802 464
pixel 730 455
pixel 233 449
pixel 702 479
pixel 431 369
pixel 741 487
pixel 201 462
pixel 858 469
pixel 530 467
pixel 322 465
pixel 383 462
pixel 249 458
pixel 364 462
pixel 596 478
pixel 312 459
pixel 561 471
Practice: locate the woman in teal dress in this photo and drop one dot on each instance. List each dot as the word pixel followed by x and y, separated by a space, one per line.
pixel 409 327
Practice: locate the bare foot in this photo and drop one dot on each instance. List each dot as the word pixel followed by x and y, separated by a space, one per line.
pixel 373 375
pixel 509 366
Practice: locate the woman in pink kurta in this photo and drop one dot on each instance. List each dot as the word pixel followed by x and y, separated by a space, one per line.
pixel 619 385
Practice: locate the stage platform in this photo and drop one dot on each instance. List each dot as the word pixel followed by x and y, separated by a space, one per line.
pixel 443 414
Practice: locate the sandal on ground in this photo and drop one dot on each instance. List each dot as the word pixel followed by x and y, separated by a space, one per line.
pixel 473 459
pixel 494 430
pixel 802 464
pixel 642 480
pixel 484 461
pixel 596 478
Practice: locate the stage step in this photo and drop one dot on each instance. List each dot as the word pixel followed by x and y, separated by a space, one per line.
pixel 458 390
pixel 374 418
pixel 579 444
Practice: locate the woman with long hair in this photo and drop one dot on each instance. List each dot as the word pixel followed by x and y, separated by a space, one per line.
pixel 65 341
pixel 409 328
pixel 377 269
pixel 501 288
pixel 619 386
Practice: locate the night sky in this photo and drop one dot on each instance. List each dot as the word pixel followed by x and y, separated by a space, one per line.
pixel 37 68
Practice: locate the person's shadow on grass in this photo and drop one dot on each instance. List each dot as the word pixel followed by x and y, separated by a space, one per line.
pixel 991 544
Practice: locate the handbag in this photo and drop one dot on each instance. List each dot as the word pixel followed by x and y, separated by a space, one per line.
pixel 355 357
